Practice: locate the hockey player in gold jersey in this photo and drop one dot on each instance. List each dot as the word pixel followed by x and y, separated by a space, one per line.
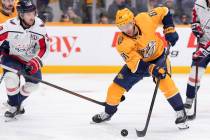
pixel 7 10
pixel 143 52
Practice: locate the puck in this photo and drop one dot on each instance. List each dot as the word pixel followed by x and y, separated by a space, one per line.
pixel 124 132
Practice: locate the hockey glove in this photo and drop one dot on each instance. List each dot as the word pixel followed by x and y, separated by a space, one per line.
pixel 33 65
pixel 196 29
pixel 157 72
pixel 4 48
pixel 171 35
pixel 201 53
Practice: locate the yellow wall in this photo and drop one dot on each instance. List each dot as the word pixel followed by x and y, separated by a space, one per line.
pixel 101 69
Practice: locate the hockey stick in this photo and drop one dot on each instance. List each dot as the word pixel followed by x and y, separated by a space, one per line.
pixel 52 85
pixel 2 77
pixel 193 116
pixel 143 132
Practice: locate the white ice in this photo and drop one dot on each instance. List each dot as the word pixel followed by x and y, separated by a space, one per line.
pixel 55 115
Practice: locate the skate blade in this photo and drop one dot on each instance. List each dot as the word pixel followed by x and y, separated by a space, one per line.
pixel 183 126
pixel 8 119
pixel 190 117
pixel 92 122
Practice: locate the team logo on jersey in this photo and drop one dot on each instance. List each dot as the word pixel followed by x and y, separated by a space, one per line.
pixel 124 56
pixel 148 50
pixel 34 37
pixel 1 28
pixel 48 39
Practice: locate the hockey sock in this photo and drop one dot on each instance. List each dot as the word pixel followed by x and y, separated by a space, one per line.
pixel 190 93
pixel 176 102
pixel 110 109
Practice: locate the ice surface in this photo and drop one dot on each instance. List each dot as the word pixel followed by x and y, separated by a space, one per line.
pixel 55 115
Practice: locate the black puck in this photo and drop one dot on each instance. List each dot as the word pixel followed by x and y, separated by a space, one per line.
pixel 124 132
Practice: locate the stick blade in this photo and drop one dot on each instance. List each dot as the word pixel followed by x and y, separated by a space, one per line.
pixel 140 133
pixel 191 117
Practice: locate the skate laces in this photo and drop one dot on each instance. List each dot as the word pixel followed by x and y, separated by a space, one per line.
pixel 180 114
pixel 12 109
pixel 104 115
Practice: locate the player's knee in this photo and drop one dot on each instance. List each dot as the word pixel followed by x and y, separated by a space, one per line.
pixel 192 77
pixel 11 79
pixel 12 83
pixel 168 93
pixel 28 88
pixel 114 94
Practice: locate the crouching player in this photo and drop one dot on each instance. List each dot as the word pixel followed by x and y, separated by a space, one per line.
pixel 23 44
pixel 143 52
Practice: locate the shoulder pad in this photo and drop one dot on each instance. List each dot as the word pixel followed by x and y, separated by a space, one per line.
pixel 39 22
pixel 12 22
pixel 42 25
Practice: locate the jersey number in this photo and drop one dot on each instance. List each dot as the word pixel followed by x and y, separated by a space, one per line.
pixel 124 56
pixel 152 13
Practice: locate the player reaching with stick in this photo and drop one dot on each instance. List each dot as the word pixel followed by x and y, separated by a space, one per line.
pixel 143 52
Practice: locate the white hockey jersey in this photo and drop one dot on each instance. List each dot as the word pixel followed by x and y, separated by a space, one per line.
pixel 201 13
pixel 25 44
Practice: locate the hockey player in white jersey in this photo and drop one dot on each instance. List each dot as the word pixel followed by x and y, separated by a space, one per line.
pixel 23 45
pixel 201 57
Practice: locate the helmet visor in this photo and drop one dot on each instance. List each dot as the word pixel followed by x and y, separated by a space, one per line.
pixel 126 27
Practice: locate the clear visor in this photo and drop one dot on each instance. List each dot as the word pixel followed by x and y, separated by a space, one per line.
pixel 11 1
pixel 126 27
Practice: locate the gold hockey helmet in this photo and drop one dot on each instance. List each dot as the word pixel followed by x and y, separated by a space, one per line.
pixel 124 17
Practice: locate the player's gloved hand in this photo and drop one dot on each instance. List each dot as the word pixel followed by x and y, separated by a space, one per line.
pixel 157 71
pixel 196 29
pixel 4 48
pixel 33 65
pixel 171 35
pixel 201 53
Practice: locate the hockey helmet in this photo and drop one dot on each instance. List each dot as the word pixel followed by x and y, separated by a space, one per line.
pixel 124 17
pixel 25 6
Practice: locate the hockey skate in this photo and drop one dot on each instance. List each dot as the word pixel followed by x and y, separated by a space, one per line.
pixel 12 112
pixel 98 118
pixel 181 119
pixel 189 109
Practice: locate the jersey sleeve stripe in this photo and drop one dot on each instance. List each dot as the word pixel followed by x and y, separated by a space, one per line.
pixel 43 47
pixel 194 15
pixel 3 36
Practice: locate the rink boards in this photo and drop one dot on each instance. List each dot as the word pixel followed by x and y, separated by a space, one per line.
pixel 91 49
